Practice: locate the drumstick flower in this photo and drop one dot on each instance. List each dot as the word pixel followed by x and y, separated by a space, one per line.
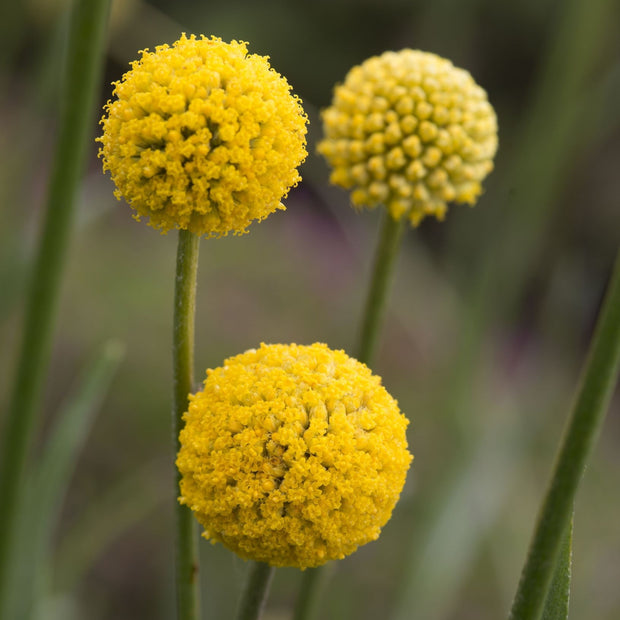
pixel 292 455
pixel 411 131
pixel 202 136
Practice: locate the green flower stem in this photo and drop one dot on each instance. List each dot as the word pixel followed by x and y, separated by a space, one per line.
pixel 385 259
pixel 83 69
pixel 256 591
pixel 597 383
pixel 183 371
pixel 308 598
pixel 312 585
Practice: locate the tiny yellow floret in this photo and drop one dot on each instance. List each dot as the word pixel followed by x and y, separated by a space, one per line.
pixel 413 119
pixel 292 455
pixel 203 136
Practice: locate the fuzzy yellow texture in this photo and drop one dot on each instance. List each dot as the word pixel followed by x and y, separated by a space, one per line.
pixel 409 130
pixel 292 455
pixel 203 136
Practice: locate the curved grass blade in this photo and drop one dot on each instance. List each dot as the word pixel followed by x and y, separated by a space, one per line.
pixel 115 511
pixel 558 598
pixel 49 480
pixel 593 396
pixel 84 62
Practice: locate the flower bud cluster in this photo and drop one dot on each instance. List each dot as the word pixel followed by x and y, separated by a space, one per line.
pixel 411 131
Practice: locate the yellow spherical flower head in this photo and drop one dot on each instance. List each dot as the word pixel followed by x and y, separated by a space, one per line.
pixel 292 455
pixel 411 131
pixel 203 136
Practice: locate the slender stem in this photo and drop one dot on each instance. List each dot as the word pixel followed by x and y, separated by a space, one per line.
pixel 385 258
pixel 84 62
pixel 183 370
pixel 256 591
pixel 390 238
pixel 597 383
pixel 312 584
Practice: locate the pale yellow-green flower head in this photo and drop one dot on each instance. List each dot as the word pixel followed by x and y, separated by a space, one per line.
pixel 411 131
pixel 292 455
pixel 203 136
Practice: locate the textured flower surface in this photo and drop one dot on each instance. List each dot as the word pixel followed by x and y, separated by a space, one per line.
pixel 203 136
pixel 292 455
pixel 411 131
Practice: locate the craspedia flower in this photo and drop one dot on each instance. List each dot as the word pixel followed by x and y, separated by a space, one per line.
pixel 292 455
pixel 411 131
pixel 203 136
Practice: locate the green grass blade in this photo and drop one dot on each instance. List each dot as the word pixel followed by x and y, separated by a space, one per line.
pixel 556 605
pixel 115 510
pixel 60 457
pixel 49 481
pixel 598 380
pixel 84 62
pixel 72 427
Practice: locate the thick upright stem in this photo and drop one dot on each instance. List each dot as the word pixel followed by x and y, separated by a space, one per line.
pixel 597 383
pixel 183 371
pixel 256 590
pixel 83 69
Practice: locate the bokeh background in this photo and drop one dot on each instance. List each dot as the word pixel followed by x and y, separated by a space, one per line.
pixel 489 318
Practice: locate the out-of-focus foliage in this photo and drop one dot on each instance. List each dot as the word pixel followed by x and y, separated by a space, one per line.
pixel 489 316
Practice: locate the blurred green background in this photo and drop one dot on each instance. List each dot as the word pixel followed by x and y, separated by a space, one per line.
pixel 489 319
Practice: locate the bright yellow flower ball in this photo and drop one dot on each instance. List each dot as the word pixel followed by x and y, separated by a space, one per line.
pixel 203 136
pixel 411 131
pixel 292 455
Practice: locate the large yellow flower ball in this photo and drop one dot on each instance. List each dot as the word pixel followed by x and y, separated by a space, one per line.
pixel 411 131
pixel 203 136
pixel 292 455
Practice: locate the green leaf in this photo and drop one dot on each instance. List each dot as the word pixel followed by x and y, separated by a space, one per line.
pixel 84 64
pixel 114 511
pixel 48 481
pixel 556 604
pixel 599 377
